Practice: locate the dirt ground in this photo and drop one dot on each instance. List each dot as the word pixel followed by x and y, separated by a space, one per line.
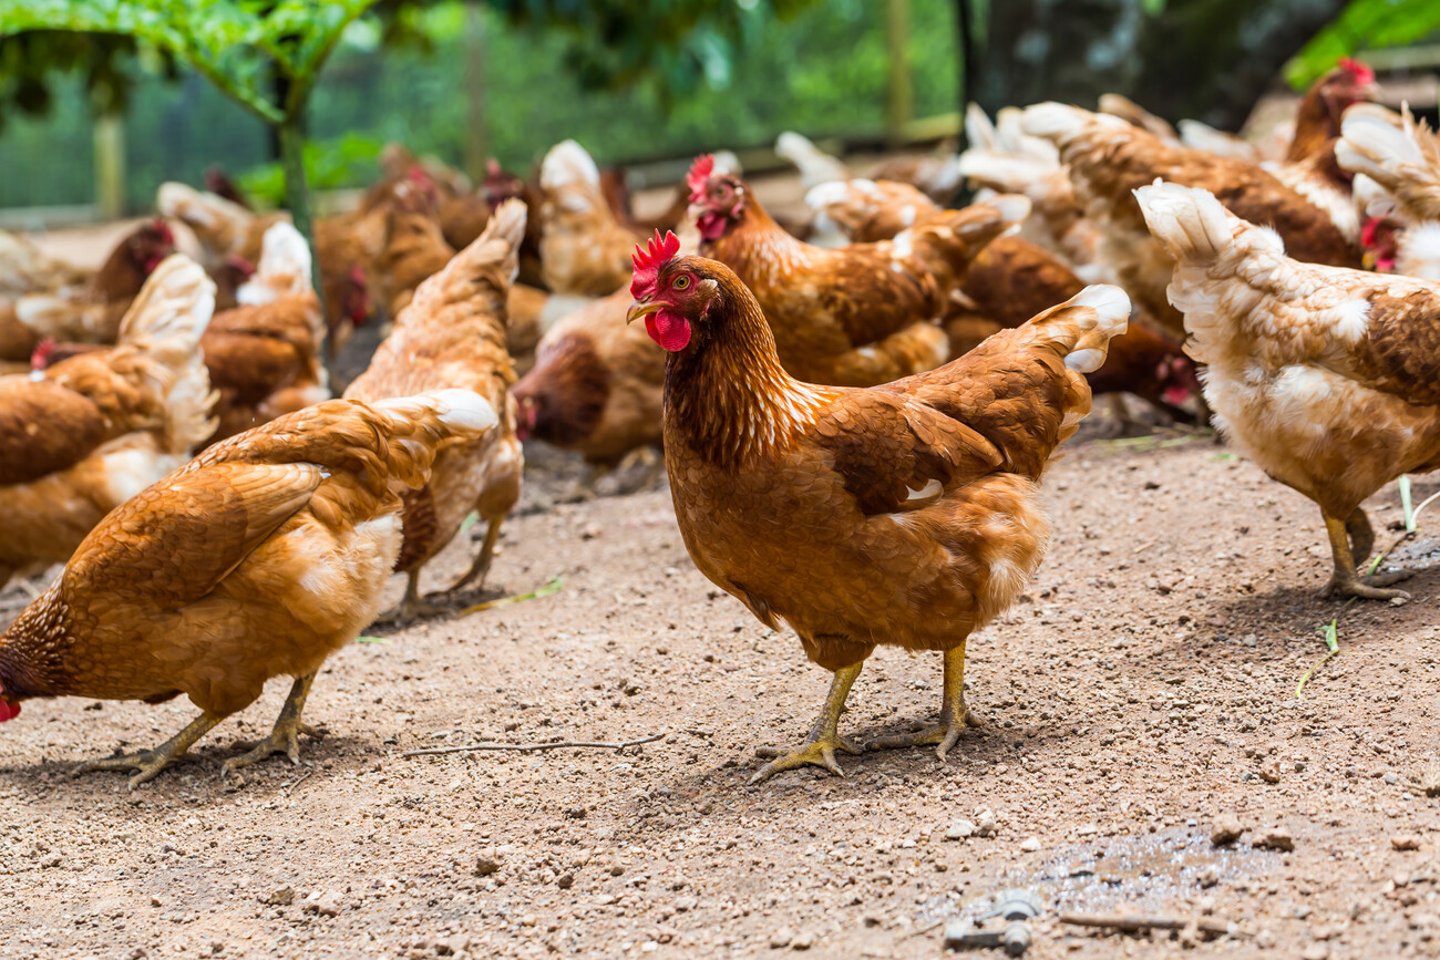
pixel 1143 691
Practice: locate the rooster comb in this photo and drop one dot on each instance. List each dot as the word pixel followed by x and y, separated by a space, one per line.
pixel 1362 72
pixel 162 230
pixel 44 350
pixel 648 261
pixel 699 175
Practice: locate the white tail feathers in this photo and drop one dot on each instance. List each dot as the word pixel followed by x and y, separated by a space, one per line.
pixel 499 243
pixel 1057 122
pixel 172 310
pixel 199 210
pixel 1108 317
pixel 284 268
pixel 815 165
pixel 1374 142
pixel 568 163
pixel 1188 221
pixel 1202 136
pixel 1013 207
pixel 165 323
pixel 462 412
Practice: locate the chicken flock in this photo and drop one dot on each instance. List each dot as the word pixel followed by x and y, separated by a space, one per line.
pixel 856 410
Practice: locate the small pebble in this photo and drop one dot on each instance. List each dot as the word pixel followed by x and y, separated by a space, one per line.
pixel 781 938
pixel 1225 830
pixel 1030 844
pixel 1276 838
pixel 1405 841
pixel 959 830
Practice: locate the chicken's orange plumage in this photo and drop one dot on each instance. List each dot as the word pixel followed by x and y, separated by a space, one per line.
pixel 905 514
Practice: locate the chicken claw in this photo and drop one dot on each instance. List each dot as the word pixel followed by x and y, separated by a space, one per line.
pixel 285 737
pixel 954 715
pixel 413 606
pixel 148 763
pixel 819 748
pixel 1344 582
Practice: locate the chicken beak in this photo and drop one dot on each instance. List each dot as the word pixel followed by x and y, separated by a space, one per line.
pixel 638 310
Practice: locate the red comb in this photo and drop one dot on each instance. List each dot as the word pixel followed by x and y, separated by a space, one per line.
pixel 40 359
pixel 163 229
pixel 649 260
pixel 1362 72
pixel 699 176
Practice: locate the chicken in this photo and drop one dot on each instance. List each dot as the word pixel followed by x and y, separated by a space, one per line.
pixel 1108 158
pixel 853 316
pixel 415 248
pixel 260 558
pixel 1202 136
pixel 452 335
pixel 1009 282
pixel 218 182
pixel 1403 158
pixel 937 175
pixel 1328 378
pixel 907 514
pixel 91 313
pixel 583 248
pixel 264 356
pixel 1118 105
pixel 1002 158
pixel 595 387
pixel 346 247
pixel 90 432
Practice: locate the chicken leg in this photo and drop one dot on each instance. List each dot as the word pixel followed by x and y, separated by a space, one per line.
pixel 1344 582
pixel 285 737
pixel 412 606
pixel 481 566
pixel 820 746
pixel 147 763
pixel 954 715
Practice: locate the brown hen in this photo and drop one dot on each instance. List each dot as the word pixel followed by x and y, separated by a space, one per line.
pixel 906 514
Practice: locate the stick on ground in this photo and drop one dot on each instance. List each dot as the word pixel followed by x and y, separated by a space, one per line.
pixel 535 747
pixel 1134 923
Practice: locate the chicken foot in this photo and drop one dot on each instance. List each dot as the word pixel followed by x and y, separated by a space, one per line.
pixel 954 715
pixel 1345 582
pixel 147 763
pixel 285 737
pixel 413 606
pixel 481 566
pixel 820 746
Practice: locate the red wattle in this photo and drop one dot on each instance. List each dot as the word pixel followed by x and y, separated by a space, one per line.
pixel 9 710
pixel 670 330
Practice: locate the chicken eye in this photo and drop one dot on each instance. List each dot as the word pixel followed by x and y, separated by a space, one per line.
pixel 681 283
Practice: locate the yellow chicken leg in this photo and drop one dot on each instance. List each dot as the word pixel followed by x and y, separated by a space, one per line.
pixel 481 566
pixel 819 748
pixel 954 715
pixel 147 763
pixel 1344 582
pixel 285 737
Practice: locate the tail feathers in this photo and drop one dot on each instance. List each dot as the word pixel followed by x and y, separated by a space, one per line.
pixel 979 131
pixel 1195 228
pixel 566 164
pixel 218 223
pixel 815 165
pixel 1117 105
pixel 417 427
pixel 1057 122
pixel 1202 136
pixel 165 323
pixel 1395 151
pixel 946 241
pixel 492 257
pixel 1100 313
pixel 284 268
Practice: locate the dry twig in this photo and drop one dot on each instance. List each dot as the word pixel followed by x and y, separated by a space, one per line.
pixel 1134 923
pixel 534 747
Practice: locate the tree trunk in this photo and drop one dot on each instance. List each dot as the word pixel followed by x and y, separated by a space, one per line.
pixel 291 136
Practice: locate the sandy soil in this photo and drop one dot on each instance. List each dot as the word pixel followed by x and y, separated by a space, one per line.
pixel 1142 692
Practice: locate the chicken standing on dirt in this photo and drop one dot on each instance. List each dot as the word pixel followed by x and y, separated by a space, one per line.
pixel 259 558
pixel 452 335
pixel 88 433
pixel 1328 378
pixel 906 514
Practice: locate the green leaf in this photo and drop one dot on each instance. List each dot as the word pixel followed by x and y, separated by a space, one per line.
pixel 1363 25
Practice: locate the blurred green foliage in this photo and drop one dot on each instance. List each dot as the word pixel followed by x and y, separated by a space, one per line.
pixel 824 71
pixel 342 162
pixel 1363 25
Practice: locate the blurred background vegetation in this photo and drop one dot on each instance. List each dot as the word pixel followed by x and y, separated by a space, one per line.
pixel 509 78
